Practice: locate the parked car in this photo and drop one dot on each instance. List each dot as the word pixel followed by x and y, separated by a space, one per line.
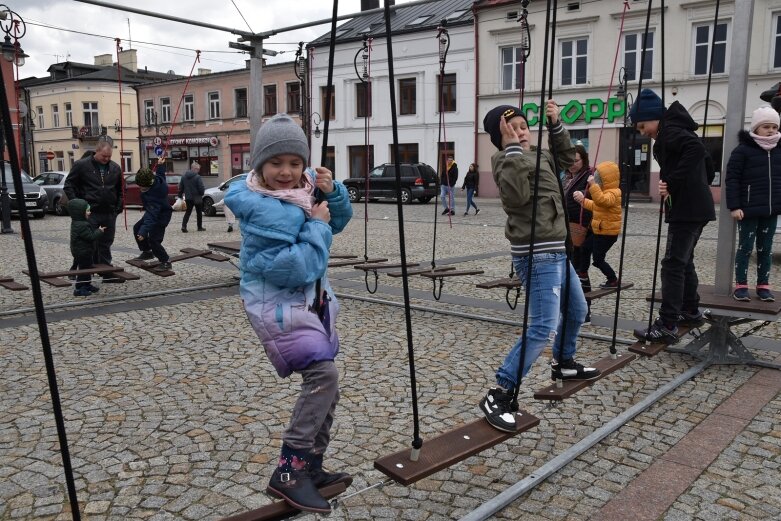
pixel 53 183
pixel 214 195
pixel 133 193
pixel 35 198
pixel 418 181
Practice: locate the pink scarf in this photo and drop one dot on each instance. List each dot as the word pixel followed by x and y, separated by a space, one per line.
pixel 302 197
pixel 766 142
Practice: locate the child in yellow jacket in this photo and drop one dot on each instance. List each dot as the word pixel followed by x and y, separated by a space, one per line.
pixel 605 203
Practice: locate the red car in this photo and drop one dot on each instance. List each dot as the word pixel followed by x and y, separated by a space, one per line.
pixel 133 193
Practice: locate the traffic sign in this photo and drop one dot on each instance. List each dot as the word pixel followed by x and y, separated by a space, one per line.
pixel 158 141
pixel 158 151
pixel 50 155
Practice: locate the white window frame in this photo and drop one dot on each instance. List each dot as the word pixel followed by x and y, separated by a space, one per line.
pixel 126 161
pixel 59 160
pixel 213 101
pixel 149 112
pixel 189 108
pixel 41 118
pixel 574 57
pixel 775 30
pixel 707 45
pixel 516 67
pixel 165 110
pixel 638 55
pixel 55 116
pixel 68 115
pixel 91 108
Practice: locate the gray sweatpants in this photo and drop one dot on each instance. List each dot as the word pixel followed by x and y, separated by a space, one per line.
pixel 313 415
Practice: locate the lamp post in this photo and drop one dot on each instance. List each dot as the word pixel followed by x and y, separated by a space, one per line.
pixel 317 119
pixel 10 22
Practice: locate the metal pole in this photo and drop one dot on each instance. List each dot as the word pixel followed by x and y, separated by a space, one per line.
pixel 494 505
pixel 5 201
pixel 736 103
pixel 256 89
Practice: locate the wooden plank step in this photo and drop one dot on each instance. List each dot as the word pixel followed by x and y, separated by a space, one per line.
pixel 449 448
pixel 344 256
pixel 372 267
pixel 191 255
pixel 96 270
pixel 125 275
pixel 280 509
pixel 454 273
pixel 601 292
pixel 9 283
pixel 352 262
pixel 569 387
pixel 210 255
pixel 149 265
pixel 231 248
pixel 58 282
pixel 654 348
pixel 6 279
pixel 418 271
pixel 507 282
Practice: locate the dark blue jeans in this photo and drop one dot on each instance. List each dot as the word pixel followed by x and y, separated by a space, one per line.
pixel 679 276
pixel 153 242
pixel 470 193
pixel 102 253
pixel 83 263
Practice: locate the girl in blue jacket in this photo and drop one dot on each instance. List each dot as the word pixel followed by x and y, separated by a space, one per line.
pixel 753 184
pixel 286 236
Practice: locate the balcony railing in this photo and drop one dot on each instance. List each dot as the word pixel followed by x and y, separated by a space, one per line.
pixel 89 132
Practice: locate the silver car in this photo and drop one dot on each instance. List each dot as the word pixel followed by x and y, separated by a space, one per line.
pixel 214 195
pixel 53 183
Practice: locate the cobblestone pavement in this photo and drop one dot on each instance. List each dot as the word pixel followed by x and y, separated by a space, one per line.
pixel 173 412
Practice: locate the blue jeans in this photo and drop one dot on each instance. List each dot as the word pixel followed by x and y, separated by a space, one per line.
pixel 545 314
pixel 447 193
pixel 470 193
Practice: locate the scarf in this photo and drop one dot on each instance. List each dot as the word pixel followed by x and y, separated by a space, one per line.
pixel 302 197
pixel 766 142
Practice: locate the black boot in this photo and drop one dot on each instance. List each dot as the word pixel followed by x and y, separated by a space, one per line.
pixel 292 482
pixel 321 478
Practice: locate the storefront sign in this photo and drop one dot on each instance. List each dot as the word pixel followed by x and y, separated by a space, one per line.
pixel 589 110
pixel 211 141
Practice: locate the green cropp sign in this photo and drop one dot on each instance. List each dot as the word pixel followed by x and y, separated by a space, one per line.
pixel 589 110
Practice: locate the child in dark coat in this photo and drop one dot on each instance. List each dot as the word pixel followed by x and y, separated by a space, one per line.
pixel 686 171
pixel 83 242
pixel 149 231
pixel 753 186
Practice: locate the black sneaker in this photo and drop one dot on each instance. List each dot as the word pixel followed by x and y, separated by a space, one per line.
pixel 571 370
pixel 184 230
pixel 452 212
pixel 230 228
pixel 201 229
pixel 695 319
pixel 163 266
pixel 498 409
pixel 608 284
pixel 658 332
pixel 477 211
pixel 92 289
pixel 765 295
pixel 446 211
pixel 298 490
pixel 145 255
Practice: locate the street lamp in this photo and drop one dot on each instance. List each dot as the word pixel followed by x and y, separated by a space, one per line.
pixel 10 22
pixel 316 119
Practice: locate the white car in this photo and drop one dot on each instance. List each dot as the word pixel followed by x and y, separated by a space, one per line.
pixel 212 196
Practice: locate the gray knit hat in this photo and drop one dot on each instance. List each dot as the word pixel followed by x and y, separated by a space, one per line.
pixel 279 135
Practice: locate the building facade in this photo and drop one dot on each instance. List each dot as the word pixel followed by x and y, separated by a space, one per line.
pixel 209 123
pixel 416 67
pixel 80 104
pixel 588 37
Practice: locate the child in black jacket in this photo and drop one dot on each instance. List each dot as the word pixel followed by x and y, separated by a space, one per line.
pixel 149 231
pixel 83 241
pixel 753 184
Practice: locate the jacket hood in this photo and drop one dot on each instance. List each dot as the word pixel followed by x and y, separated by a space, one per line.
pixel 77 208
pixel 676 116
pixel 609 174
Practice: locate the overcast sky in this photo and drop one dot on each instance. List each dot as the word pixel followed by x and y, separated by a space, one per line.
pixel 46 42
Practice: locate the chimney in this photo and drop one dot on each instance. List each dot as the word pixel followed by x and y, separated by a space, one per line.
pixel 201 71
pixel 104 59
pixel 128 60
pixel 369 4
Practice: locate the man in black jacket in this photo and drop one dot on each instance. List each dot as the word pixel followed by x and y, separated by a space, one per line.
pixel 98 180
pixel 686 171
pixel 192 189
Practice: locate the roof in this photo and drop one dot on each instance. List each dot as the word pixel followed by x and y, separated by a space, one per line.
pixel 69 71
pixel 424 17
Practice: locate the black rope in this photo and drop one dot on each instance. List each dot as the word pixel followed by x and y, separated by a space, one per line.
pixel 526 49
pixel 417 442
pixel 443 38
pixel 535 196
pixel 35 283
pixel 710 68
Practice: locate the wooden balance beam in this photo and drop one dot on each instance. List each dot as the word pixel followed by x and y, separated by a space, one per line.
pixel 449 448
pixel 8 283
pixel 569 387
pixel 418 271
pixel 281 510
pixel 644 348
pixel 55 278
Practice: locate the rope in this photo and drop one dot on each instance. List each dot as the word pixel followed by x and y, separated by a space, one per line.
pixel 121 134
pixel 364 78
pixel 710 68
pixel 417 442
pixel 444 45
pixel 526 50
pixel 167 140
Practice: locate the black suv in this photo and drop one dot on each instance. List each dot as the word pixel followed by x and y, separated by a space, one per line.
pixel 418 181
